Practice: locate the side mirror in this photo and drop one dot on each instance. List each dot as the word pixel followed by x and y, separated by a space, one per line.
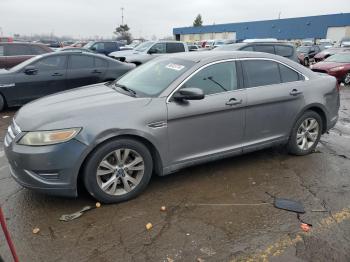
pixel 93 48
pixel 30 70
pixel 190 93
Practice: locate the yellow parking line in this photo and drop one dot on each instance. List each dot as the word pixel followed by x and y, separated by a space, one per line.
pixel 281 245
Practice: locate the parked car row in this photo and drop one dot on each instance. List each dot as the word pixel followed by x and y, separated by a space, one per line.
pixel 149 50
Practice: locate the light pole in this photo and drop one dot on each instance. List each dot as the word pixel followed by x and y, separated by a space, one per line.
pixel 122 15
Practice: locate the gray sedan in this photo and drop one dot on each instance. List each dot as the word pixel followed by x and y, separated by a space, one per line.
pixel 168 114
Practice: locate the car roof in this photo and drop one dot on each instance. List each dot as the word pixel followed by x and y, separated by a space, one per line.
pixel 220 55
pixel 21 43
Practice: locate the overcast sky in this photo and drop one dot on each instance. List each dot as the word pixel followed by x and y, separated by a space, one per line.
pixel 84 18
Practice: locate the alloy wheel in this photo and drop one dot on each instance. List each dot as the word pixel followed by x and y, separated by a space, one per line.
pixel 307 133
pixel 347 79
pixel 120 171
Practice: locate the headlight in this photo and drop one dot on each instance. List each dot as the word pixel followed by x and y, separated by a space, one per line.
pixel 336 68
pixel 42 138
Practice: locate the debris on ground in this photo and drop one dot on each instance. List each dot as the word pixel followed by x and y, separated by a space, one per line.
pixel 287 204
pixel 75 215
pixel 5 116
pixel 98 204
pixel 36 230
pixel 149 226
pixel 305 227
pixel 169 259
pixel 162 208
pixel 200 259
pixel 319 210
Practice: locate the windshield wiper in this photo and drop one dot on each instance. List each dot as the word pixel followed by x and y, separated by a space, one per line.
pixel 130 91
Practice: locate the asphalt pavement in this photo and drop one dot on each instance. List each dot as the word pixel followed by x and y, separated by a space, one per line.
pixel 214 212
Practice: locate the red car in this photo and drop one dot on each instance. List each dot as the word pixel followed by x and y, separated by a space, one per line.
pixel 337 65
pixel 12 54
pixel 329 52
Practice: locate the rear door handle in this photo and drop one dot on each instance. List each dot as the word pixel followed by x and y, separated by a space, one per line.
pixel 295 92
pixel 57 74
pixel 96 72
pixel 233 101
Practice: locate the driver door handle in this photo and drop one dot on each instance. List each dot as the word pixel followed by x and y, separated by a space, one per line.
pixel 295 92
pixel 233 101
pixel 57 74
pixel 96 71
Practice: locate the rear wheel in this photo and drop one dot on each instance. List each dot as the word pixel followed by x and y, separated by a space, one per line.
pixel 347 79
pixel 118 170
pixel 305 134
pixel 2 103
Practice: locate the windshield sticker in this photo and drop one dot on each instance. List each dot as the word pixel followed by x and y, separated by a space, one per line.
pixel 175 67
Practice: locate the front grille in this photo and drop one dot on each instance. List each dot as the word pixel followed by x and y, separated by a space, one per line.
pixel 12 131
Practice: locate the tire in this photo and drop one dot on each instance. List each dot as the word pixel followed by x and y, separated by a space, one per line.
pixel 2 103
pixel 128 181
pixel 346 80
pixel 306 62
pixel 299 134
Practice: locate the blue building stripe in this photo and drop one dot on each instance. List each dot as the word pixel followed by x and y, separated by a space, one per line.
pixel 288 28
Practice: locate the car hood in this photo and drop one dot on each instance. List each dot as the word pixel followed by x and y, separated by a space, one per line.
pixel 75 108
pixel 124 53
pixel 326 65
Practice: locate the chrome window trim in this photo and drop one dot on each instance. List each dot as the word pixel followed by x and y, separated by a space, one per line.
pixel 230 60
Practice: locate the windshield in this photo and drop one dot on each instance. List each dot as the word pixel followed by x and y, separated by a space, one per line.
pixel 88 45
pixel 144 46
pixel 154 77
pixel 230 47
pixel 339 58
pixel 303 49
pixel 25 63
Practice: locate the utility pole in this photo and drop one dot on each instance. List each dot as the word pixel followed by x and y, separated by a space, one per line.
pixel 122 15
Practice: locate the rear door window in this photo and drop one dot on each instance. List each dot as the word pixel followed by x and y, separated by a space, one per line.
pixel 38 50
pixel 216 78
pixel 100 63
pixel 286 51
pixel 110 46
pixel 81 62
pixel 288 74
pixel 264 48
pixel 18 50
pixel 175 47
pixel 261 73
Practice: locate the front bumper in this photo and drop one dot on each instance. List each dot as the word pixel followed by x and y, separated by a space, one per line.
pixel 49 169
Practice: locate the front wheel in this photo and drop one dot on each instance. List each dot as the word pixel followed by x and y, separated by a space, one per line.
pixel 118 170
pixel 305 134
pixel 2 103
pixel 347 79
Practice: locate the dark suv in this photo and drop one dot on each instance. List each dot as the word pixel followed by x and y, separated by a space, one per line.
pixel 306 53
pixel 12 54
pixel 103 47
pixel 276 48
